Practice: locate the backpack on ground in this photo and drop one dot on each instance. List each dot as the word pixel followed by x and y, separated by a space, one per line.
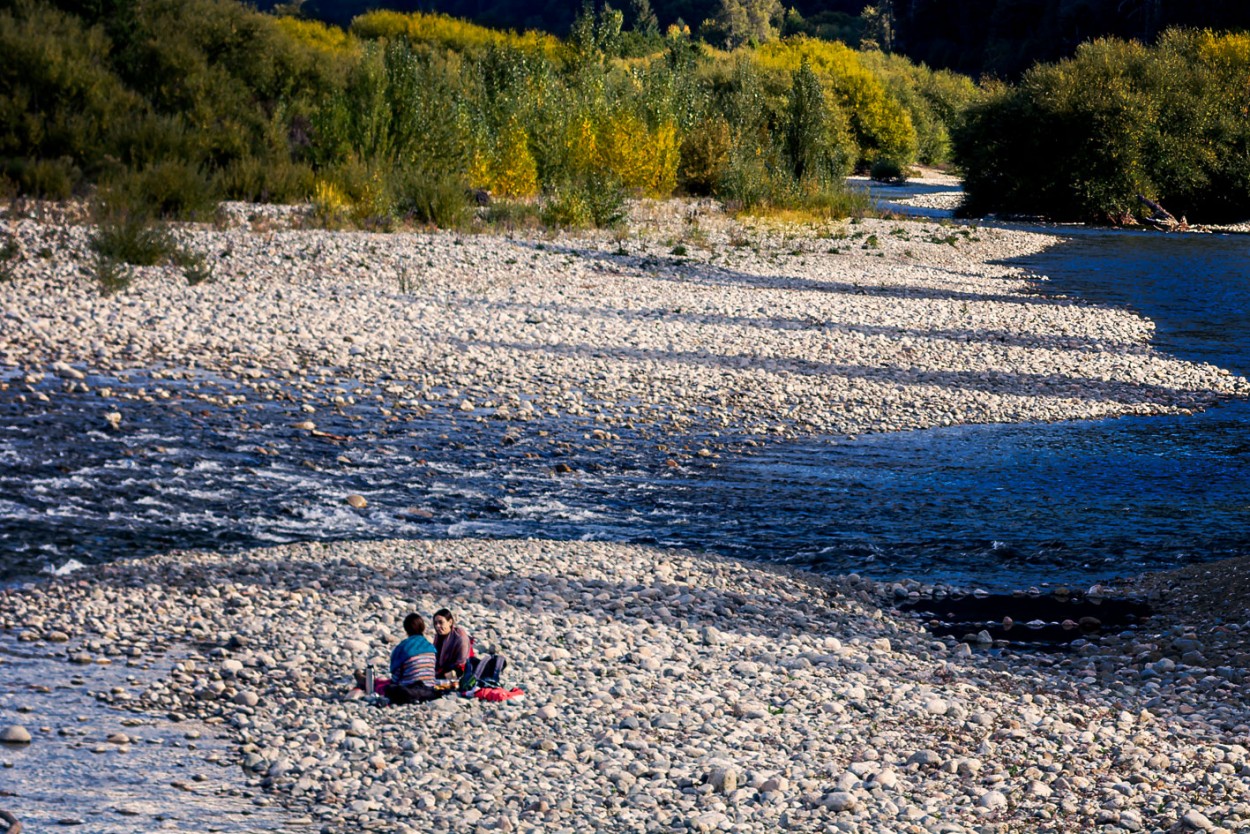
pixel 482 671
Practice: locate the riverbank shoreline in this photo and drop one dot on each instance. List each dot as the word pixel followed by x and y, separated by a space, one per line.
pixel 665 690
pixel 686 320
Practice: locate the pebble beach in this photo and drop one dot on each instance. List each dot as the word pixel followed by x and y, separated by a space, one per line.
pixel 687 321
pixel 665 690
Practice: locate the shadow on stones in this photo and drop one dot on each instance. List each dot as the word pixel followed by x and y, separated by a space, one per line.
pixel 768 612
pixel 1022 619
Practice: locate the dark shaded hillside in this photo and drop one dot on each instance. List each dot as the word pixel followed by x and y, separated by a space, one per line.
pixel 1006 37
pixel 554 16
pixel 977 37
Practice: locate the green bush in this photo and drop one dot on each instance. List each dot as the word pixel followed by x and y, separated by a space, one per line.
pixel 441 201
pixel 815 133
pixel 9 250
pixel 887 170
pixel 151 138
pixel 512 215
pixel 750 179
pixel 566 208
pixel 1080 139
pixel 46 179
pixel 243 105
pixel 827 201
pixel 260 180
pixel 58 95
pixel 705 155
pixel 362 195
pixel 112 275
pixel 594 202
pixel 606 200
pixel 129 238
pixel 126 85
pixel 935 101
pixel 171 189
pixel 195 266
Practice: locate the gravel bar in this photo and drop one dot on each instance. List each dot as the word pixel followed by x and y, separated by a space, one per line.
pixel 687 320
pixel 666 692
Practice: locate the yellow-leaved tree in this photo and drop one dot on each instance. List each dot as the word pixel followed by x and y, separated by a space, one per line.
pixel 507 168
pixel 880 123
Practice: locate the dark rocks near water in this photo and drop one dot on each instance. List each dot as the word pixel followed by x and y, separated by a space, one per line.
pixel 1038 619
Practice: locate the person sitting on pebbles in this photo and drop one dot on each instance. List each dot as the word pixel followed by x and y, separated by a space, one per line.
pixel 457 658
pixel 412 667
pixel 454 645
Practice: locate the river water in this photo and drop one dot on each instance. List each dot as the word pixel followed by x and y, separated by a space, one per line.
pixel 995 506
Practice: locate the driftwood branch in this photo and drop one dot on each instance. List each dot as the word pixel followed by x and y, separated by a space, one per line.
pixel 14 825
pixel 1161 218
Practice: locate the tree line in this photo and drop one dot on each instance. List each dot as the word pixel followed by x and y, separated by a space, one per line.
pixel 1082 138
pixel 400 116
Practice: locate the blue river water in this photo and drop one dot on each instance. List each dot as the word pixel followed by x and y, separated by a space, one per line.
pixel 999 506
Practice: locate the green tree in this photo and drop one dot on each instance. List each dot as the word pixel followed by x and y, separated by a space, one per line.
pixel 878 21
pixel 812 131
pixel 739 22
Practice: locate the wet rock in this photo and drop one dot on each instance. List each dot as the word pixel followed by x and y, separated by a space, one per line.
pixel 15 734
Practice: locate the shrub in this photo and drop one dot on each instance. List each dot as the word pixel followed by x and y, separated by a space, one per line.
pixel 636 156
pixel 151 138
pixel 449 33
pixel 195 266
pixel 441 201
pixel 9 251
pixel 566 208
pixel 879 124
pixel 508 169
pixel 57 95
pixel 1080 139
pixel 887 170
pixel 814 132
pixel 326 40
pixel 814 201
pixel 261 180
pixel 373 206
pixel 128 238
pixel 934 100
pixel 354 193
pixel 47 179
pixel 606 200
pixel 111 274
pixel 750 178
pixel 170 188
pixel 329 204
pixel 705 155
pixel 596 201
pixel 511 215
pixel 254 107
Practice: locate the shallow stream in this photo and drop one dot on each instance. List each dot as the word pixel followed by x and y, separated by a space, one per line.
pixel 996 506
pixel 91 767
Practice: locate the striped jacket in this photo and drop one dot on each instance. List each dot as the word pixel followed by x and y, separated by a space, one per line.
pixel 412 661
